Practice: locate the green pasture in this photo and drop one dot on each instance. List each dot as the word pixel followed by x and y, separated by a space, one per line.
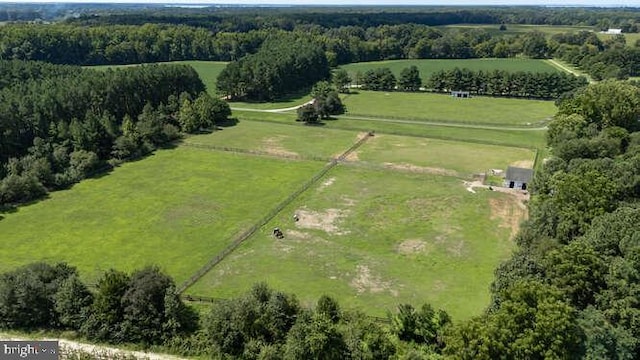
pixel 207 70
pixel 516 29
pixel 374 239
pixel 176 209
pixel 279 139
pixel 441 156
pixel 285 102
pixel 429 66
pixel 445 108
pixel 527 138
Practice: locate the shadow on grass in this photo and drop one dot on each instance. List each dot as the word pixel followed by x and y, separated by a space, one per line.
pixel 287 99
pixel 13 208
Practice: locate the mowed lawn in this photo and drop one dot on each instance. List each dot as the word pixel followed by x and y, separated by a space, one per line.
pixel 461 159
pixel 288 140
pixel 444 108
pixel 374 239
pixel 430 66
pixel 176 209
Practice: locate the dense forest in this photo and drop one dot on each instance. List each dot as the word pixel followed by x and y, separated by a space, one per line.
pixel 59 123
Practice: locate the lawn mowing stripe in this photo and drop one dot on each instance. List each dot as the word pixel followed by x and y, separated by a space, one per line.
pixel 247 233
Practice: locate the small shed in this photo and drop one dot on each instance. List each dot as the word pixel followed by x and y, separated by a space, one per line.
pixel 460 94
pixel 611 31
pixel 518 178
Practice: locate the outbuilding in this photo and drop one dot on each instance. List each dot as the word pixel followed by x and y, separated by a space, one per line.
pixel 518 178
pixel 461 94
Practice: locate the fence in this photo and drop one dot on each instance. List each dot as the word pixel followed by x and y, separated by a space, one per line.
pixel 240 238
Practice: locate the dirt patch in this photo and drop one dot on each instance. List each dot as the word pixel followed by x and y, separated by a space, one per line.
pixel 352 156
pixel 365 281
pixel 347 201
pixel 439 285
pixel 419 169
pixel 295 234
pixel 273 146
pixel 526 164
pixel 327 182
pixel 456 249
pixel 509 213
pixel 326 221
pixel 411 246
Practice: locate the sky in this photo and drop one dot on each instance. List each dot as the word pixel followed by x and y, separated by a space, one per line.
pixel 607 3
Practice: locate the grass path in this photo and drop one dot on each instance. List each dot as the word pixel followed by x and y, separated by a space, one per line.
pixel 571 70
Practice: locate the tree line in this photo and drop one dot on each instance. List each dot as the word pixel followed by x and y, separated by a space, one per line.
pixel 539 85
pixel 143 308
pixel 63 123
pixel 488 83
pixel 282 65
pixel 239 19
pixel 126 44
pixel 570 290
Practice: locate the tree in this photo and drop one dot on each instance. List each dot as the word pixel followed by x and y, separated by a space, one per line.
pixel 380 79
pixel 341 80
pixel 605 104
pixel 307 114
pixel 72 302
pixel 27 295
pixel 315 337
pixel 107 314
pixel 410 79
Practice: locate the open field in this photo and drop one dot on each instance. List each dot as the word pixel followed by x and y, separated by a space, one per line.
pixel 444 108
pixel 174 209
pixel 286 140
pixel 429 66
pixel 515 29
pixel 374 239
pixel 208 70
pixel 459 132
pixel 441 156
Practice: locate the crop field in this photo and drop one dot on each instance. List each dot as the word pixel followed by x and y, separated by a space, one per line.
pixel 374 239
pixel 429 66
pixel 444 108
pixel 174 209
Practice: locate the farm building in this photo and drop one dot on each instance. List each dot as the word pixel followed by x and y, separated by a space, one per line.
pixel 460 94
pixel 613 32
pixel 518 178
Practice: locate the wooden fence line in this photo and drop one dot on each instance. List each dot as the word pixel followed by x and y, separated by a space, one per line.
pixel 240 238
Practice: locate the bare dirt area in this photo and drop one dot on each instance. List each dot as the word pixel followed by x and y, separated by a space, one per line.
pixel 273 146
pixel 509 213
pixel 411 246
pixel 365 281
pixel 327 183
pixel 326 221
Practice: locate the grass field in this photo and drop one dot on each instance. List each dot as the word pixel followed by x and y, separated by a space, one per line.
pixel 444 108
pixel 175 209
pixel 429 66
pixel 374 239
pixel 516 138
pixel 280 139
pixel 441 156
pixel 515 29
